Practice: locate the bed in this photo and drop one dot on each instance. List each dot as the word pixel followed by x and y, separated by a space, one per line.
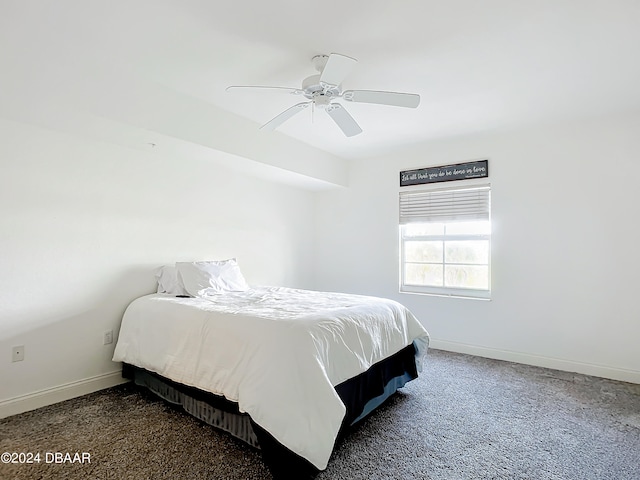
pixel 286 370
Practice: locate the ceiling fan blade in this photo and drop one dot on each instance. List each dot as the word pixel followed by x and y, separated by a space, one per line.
pixel 337 68
pixel 342 118
pixel 409 100
pixel 284 116
pixel 289 90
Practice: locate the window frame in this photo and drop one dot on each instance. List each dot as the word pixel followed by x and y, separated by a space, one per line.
pixel 444 291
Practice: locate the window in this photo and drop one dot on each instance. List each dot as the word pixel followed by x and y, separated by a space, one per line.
pixel 445 242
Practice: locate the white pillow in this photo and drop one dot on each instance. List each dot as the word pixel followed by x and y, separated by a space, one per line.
pixel 169 281
pixel 209 278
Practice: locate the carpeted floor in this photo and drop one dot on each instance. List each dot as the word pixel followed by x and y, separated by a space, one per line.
pixel 464 418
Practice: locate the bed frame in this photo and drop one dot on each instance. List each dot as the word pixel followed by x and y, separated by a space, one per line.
pixel 361 395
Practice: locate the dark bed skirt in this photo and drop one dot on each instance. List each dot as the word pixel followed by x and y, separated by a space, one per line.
pixel 360 394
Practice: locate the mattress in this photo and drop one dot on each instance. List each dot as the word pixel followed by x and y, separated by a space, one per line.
pixel 278 353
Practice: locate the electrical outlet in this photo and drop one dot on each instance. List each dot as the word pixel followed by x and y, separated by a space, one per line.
pixel 17 353
pixel 107 338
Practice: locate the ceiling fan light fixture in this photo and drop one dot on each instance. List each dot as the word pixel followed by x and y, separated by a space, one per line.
pixel 321 101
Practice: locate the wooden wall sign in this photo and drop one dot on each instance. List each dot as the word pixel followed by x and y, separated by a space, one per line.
pixel 445 173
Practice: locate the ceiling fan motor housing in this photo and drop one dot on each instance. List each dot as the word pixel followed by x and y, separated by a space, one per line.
pixel 311 85
pixel 321 95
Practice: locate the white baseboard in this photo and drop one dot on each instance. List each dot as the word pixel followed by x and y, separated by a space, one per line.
pixel 49 396
pixel 42 398
pixel 632 376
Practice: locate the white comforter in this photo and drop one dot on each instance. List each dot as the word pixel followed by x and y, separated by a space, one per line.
pixel 275 351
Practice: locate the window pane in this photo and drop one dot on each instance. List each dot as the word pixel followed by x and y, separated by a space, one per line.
pixel 467 251
pixel 423 274
pixel 480 227
pixel 423 251
pixel 467 276
pixel 421 229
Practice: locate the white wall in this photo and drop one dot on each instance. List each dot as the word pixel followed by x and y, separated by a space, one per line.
pixel 566 237
pixel 84 224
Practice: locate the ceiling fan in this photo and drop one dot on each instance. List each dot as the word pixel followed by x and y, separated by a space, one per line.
pixel 323 89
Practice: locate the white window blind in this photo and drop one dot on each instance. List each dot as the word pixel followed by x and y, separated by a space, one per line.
pixel 445 205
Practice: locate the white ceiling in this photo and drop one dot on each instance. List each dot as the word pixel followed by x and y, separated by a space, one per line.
pixel 477 64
